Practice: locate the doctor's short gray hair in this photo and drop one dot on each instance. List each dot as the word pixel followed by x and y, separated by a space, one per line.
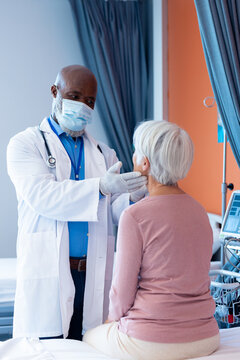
pixel 168 148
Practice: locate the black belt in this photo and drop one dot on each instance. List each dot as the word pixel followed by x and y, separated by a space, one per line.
pixel 78 264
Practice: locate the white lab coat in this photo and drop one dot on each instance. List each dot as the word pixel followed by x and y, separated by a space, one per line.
pixel 47 200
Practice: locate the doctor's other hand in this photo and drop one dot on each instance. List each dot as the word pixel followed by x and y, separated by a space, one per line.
pixel 138 194
pixel 113 182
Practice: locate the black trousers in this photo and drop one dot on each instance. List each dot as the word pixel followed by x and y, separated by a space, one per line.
pixel 75 330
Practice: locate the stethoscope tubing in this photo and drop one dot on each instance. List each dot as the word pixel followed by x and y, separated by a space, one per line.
pixel 51 161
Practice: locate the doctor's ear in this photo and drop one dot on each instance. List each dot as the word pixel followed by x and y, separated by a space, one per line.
pixel 54 90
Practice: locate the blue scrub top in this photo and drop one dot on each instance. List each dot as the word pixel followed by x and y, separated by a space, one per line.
pixel 78 231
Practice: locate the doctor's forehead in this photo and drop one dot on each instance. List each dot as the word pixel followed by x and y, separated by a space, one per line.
pixel 74 76
pixel 83 82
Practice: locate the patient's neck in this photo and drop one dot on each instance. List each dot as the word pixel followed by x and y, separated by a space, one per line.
pixel 155 188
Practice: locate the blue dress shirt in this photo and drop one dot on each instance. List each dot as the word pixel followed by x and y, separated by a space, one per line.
pixel 78 231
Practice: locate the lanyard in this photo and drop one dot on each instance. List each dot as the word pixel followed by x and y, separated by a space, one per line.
pixel 75 168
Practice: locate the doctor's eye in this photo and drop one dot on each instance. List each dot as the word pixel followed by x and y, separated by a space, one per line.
pixel 74 97
pixel 90 102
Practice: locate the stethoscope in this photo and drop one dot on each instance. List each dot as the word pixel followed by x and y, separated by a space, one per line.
pixel 51 160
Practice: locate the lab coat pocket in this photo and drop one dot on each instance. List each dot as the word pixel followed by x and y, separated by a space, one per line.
pixel 38 257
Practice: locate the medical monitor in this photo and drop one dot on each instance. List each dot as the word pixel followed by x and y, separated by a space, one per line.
pixel 231 221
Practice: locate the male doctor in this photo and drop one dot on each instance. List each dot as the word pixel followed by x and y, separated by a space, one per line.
pixel 66 204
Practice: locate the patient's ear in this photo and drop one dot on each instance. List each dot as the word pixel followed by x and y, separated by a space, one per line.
pixel 145 165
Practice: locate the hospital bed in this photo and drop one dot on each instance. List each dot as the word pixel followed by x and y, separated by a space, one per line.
pixel 34 349
pixel 229 348
pixel 7 293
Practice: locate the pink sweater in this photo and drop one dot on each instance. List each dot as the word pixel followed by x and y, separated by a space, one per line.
pixel 160 290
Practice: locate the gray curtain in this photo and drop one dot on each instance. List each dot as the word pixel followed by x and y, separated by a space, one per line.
pixel 111 41
pixel 219 23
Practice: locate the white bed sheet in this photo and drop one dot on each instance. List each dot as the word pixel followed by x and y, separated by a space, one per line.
pixel 229 346
pixel 61 349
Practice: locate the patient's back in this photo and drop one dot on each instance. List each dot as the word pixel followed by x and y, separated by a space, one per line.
pixel 168 239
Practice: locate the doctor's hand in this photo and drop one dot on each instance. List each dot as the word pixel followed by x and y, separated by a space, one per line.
pixel 138 194
pixel 113 182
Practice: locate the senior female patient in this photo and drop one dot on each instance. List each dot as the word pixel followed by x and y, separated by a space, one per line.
pixel 160 305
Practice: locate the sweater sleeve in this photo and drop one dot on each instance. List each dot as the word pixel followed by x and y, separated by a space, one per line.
pixel 127 267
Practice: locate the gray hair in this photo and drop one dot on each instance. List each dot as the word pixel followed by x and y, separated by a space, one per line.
pixel 168 148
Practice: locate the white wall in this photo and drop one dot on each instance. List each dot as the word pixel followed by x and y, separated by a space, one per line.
pixel 37 38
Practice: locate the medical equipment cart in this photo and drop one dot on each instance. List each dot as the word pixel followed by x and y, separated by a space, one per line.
pixel 225 288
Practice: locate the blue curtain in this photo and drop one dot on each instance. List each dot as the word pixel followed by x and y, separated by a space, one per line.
pixel 111 41
pixel 219 23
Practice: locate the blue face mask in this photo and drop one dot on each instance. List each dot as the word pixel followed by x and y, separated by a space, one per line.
pixel 75 115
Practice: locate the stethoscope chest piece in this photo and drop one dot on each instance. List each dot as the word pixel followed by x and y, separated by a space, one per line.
pixel 51 161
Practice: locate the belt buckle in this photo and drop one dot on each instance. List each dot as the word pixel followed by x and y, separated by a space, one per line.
pixel 80 263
